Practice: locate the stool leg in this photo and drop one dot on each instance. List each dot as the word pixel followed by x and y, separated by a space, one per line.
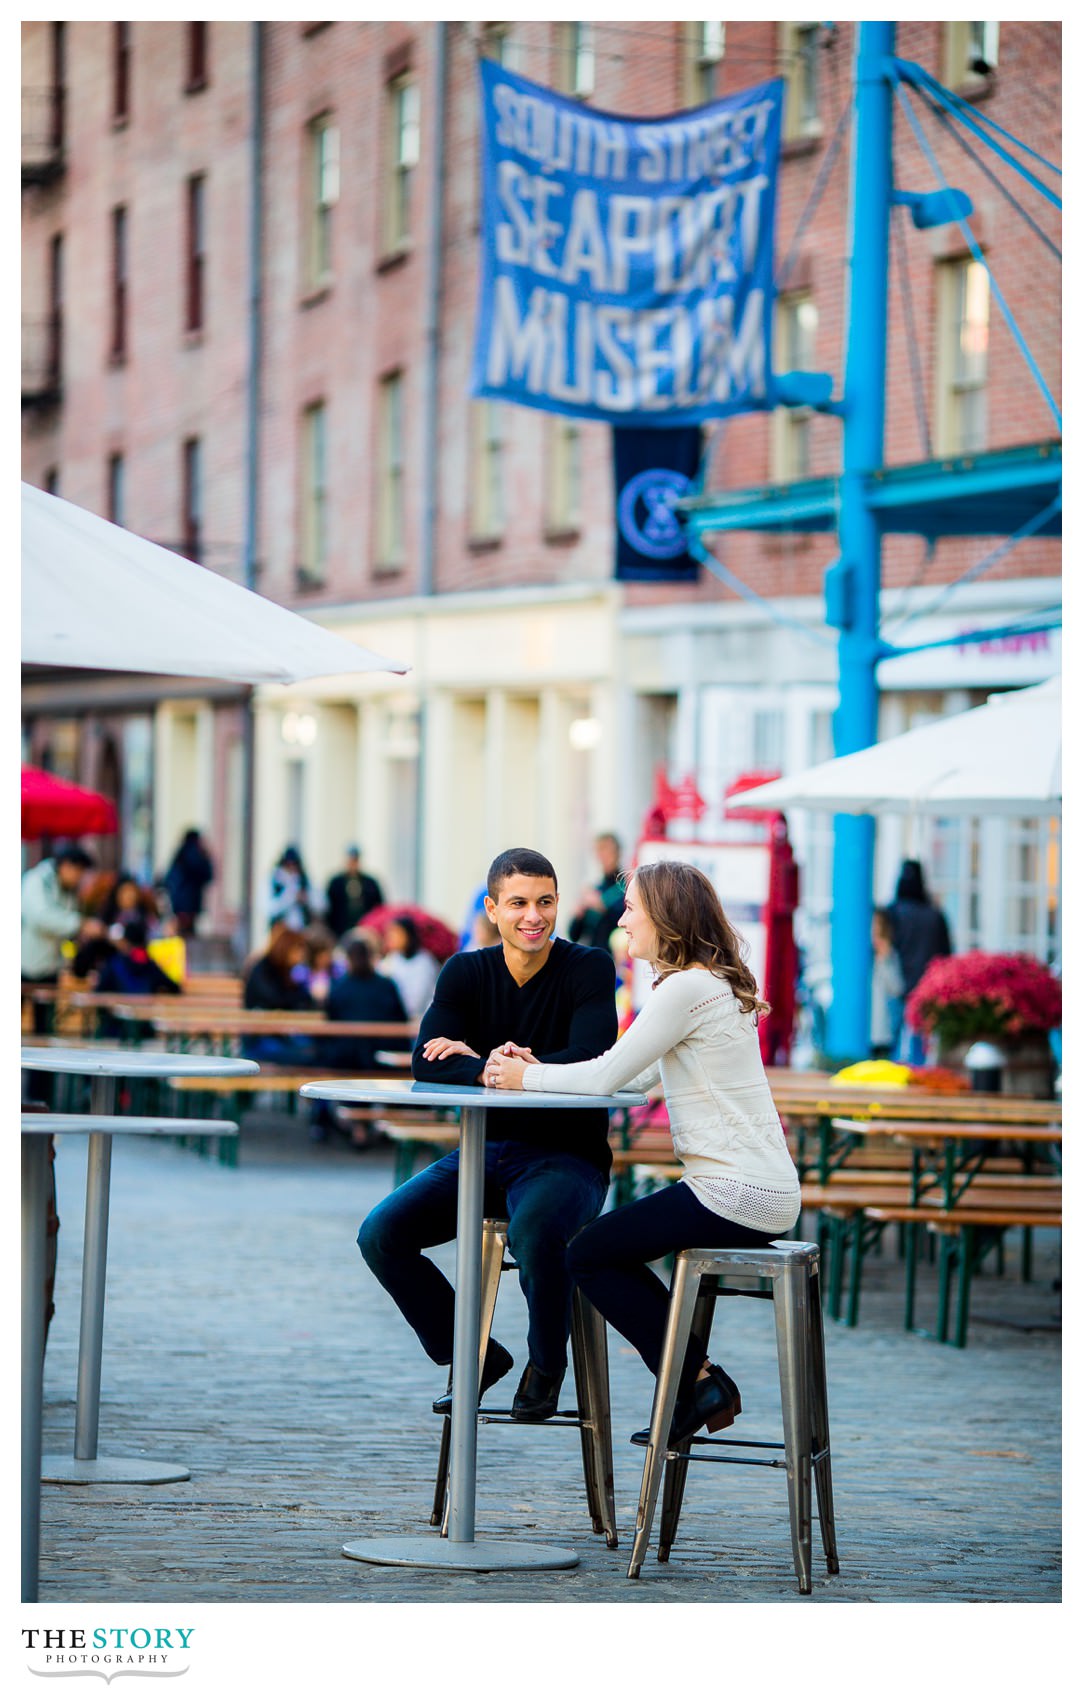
pixel 791 1298
pixel 494 1241
pixel 676 1473
pixel 821 1438
pixel 590 1364
pixel 682 1300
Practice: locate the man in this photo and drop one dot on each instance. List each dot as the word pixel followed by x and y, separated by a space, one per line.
pixel 50 910
pixel 601 905
pixel 547 1173
pixel 350 895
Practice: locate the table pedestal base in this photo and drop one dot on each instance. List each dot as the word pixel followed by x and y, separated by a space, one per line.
pixel 430 1552
pixel 60 1467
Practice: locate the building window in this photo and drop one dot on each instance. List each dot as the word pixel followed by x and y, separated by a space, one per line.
pixel 487 470
pixel 195 254
pixel 314 515
pixel 198 43
pixel 403 154
pixel 498 44
pixel 799 47
pixel 118 342
pixel 704 46
pixel 963 356
pixel 51 482
pixel 575 60
pixel 114 489
pixel 970 52
pixel 322 176
pixel 122 72
pixel 391 479
pixel 564 495
pixel 796 323
pixel 192 499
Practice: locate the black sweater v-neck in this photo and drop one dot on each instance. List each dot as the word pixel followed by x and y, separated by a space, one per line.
pixel 567 1012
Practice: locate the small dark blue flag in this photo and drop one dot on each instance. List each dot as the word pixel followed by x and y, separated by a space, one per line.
pixel 652 471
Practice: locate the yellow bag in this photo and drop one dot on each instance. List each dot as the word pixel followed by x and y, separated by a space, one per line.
pixel 169 954
pixel 875 1071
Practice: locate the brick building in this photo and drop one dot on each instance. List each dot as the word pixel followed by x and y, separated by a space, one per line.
pixel 475 540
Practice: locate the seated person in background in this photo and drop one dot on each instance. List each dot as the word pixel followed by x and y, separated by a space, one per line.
pixel 277 980
pixel 361 995
pixel 130 968
pixel 126 901
pixel 414 969
pixel 321 969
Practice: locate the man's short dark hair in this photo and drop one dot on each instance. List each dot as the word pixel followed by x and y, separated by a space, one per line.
pixel 73 853
pixel 512 862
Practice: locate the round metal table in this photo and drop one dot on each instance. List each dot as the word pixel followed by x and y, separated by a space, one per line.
pixel 105 1067
pixel 462 1550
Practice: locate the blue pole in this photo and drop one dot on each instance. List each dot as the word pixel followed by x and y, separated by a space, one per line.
pixel 853 588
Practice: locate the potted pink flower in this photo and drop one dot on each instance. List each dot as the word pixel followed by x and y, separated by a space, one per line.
pixel 1011 999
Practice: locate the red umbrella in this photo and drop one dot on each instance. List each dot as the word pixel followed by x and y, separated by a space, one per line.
pixel 55 807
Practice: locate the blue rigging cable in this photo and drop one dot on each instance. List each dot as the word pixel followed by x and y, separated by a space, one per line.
pixel 698 549
pixel 919 76
pixel 964 226
pixel 972 154
pixel 815 195
pixel 1027 529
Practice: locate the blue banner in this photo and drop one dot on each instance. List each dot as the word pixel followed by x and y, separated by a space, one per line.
pixel 652 471
pixel 626 263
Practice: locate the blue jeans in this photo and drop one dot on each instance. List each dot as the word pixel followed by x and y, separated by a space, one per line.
pixel 546 1196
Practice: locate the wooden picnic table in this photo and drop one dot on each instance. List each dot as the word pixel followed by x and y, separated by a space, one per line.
pixel 815 1110
pixel 313 1024
pixel 948 1154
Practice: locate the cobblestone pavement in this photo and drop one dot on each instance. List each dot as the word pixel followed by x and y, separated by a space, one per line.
pixel 245 1338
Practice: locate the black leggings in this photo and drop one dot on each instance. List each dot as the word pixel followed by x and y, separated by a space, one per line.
pixel 609 1258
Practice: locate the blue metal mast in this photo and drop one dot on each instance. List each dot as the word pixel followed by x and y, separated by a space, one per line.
pixel 853 586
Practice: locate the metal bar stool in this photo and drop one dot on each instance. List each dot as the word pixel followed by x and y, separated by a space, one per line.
pixel 792 1269
pixel 590 1366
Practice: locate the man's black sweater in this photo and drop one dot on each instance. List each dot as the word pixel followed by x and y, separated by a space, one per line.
pixel 567 1012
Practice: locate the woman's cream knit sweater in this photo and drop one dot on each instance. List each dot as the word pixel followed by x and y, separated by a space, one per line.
pixel 693 1036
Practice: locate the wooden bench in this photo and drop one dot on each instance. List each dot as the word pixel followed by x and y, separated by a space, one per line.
pixel 853 1211
pixel 414 1139
pixel 961 1249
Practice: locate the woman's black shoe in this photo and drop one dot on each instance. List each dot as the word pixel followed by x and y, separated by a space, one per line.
pixel 498 1361
pixel 714 1402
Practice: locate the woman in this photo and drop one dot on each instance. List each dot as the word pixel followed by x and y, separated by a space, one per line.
pixel 414 969
pixel 276 980
pixel 697 1034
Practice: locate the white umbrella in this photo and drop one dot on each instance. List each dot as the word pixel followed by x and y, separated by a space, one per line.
pixel 95 595
pixel 1002 758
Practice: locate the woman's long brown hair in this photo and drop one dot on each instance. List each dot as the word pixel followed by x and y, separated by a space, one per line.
pixel 684 909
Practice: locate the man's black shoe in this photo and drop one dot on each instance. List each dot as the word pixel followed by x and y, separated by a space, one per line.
pixel 498 1361
pixel 536 1396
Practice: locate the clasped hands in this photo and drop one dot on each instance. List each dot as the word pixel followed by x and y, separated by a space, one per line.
pixel 504 1067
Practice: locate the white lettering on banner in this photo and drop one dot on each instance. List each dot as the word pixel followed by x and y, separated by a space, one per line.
pixel 621 359
pixel 559 140
pixel 684 243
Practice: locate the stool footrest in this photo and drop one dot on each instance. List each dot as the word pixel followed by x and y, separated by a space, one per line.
pixel 559 1419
